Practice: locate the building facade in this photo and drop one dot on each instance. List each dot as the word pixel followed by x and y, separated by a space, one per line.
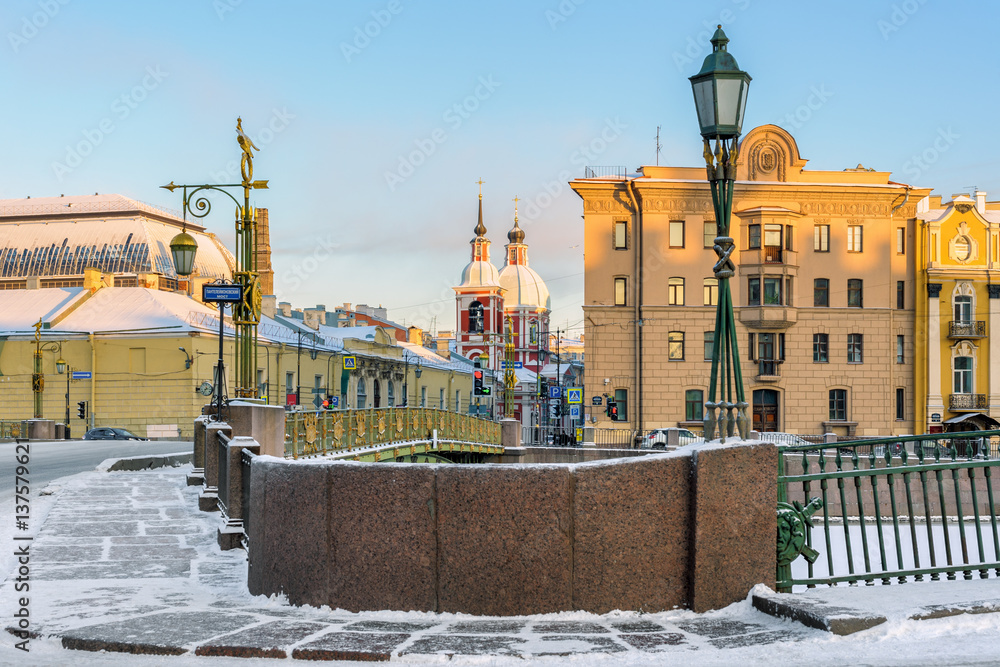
pixel 958 351
pixel 823 293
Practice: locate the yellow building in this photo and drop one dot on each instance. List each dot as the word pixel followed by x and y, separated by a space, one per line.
pixel 144 355
pixel 824 292
pixel 958 251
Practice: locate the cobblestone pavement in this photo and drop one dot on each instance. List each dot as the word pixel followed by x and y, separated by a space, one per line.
pixel 126 562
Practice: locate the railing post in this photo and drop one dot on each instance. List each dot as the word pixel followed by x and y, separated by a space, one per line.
pixel 231 532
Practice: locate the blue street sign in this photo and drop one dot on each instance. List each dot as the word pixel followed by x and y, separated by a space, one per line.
pixel 595 400
pixel 517 364
pixel 574 396
pixel 223 293
pixel 82 375
pixel 334 401
pixel 574 411
pixel 350 363
pixel 555 392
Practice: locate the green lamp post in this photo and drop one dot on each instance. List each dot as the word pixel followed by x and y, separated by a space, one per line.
pixel 720 94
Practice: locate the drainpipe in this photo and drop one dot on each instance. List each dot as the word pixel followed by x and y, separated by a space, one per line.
pixel 93 377
pixel 630 188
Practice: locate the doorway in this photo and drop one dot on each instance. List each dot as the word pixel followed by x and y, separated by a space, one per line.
pixel 765 410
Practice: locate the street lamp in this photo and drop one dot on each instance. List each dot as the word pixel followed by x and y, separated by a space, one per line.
pixel 61 367
pixel 720 93
pixel 246 312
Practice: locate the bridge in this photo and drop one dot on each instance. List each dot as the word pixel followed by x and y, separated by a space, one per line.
pixel 418 435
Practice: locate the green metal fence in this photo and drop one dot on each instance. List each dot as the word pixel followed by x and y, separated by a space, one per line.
pixel 325 432
pixel 888 509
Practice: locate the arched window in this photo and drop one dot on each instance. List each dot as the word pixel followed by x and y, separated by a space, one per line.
pixel 475 317
pixel 361 393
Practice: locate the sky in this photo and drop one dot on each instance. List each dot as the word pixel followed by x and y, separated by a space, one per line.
pixel 376 119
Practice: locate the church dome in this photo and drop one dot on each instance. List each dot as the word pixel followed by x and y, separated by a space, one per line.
pixel 480 274
pixel 523 287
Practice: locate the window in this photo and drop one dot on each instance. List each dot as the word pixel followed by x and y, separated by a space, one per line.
pixel 675 346
pixel 900 404
pixel 289 382
pixel 441 403
pixel 788 237
pixel 711 291
pixel 753 237
pixel 621 398
pixel 533 333
pixel 475 317
pixel 361 394
pixel 788 290
pixel 900 346
pixel 513 256
pixel 963 375
pixel 458 400
pixel 693 405
pixel 821 238
pixel 676 233
pixel 753 291
pixel 821 292
pixel 821 348
pixel 900 294
pixel 772 236
pixel 423 397
pixel 772 291
pixel 390 394
pixel 838 405
pixel 854 238
pixel 900 244
pixel 855 348
pixel 621 235
pixel 710 232
pixel 675 292
pixel 709 343
pixel 854 293
pixel 963 308
pixel 619 291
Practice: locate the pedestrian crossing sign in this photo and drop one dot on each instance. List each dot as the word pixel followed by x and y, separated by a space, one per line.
pixel 574 396
pixel 350 363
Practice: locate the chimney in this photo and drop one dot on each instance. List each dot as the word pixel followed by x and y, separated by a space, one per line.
pixel 415 335
pixel 269 305
pixel 981 202
pixel 285 308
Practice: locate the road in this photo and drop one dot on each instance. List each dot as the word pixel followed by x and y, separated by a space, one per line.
pixel 52 460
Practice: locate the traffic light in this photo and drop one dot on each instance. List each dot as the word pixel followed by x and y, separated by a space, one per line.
pixel 613 410
pixel 477 382
pixel 81 409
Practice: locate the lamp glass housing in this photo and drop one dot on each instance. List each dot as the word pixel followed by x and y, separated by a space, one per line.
pixel 720 92
pixel 60 365
pixel 183 248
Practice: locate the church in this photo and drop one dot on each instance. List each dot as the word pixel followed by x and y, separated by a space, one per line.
pixel 489 304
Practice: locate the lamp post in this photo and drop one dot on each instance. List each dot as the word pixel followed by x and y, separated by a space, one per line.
pixel 38 377
pixel 61 367
pixel 720 93
pixel 246 313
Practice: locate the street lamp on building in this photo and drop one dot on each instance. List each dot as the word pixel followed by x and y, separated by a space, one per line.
pixel 720 94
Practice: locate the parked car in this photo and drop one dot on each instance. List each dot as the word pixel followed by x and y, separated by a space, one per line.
pixel 658 438
pixel 789 439
pixel 108 433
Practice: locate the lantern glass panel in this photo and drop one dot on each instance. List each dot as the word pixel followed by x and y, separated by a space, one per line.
pixel 704 97
pixel 729 100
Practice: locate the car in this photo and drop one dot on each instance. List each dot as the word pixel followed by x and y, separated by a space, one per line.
pixel 108 433
pixel 659 438
pixel 789 439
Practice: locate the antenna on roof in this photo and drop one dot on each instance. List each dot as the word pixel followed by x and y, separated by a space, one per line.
pixel 658 146
pixel 975 189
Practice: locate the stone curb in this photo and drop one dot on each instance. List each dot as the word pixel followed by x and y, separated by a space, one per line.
pixel 147 462
pixel 838 620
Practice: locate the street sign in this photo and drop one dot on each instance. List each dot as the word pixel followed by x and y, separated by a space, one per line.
pixel 223 293
pixel 350 363
pixel 82 375
pixel 936 417
pixel 334 401
pixel 517 364
pixel 574 396
pixel 574 411
pixel 595 400
pixel 555 392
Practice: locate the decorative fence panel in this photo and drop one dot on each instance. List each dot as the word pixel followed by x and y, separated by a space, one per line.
pixel 326 432
pixel 893 509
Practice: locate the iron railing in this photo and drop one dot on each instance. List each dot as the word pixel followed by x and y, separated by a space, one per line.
pixel 772 254
pixel 605 172
pixel 968 402
pixel 963 329
pixel 11 429
pixel 913 507
pixel 327 432
pixel 768 367
pixel 223 465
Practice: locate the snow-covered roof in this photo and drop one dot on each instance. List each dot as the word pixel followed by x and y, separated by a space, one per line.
pixel 20 309
pixel 480 274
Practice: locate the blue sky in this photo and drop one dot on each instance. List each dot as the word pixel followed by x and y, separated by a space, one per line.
pixel 373 167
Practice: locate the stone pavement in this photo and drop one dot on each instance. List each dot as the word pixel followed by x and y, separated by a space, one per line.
pixel 125 562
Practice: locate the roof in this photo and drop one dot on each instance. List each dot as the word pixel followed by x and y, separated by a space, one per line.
pixel 524 287
pixel 20 309
pixel 480 274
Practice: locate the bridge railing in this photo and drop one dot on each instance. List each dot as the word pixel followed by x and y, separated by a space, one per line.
pixel 326 432
pixel 12 429
pixel 886 509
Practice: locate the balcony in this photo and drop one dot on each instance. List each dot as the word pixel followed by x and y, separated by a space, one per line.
pixel 968 402
pixel 964 329
pixel 769 318
pixel 768 370
pixel 767 255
